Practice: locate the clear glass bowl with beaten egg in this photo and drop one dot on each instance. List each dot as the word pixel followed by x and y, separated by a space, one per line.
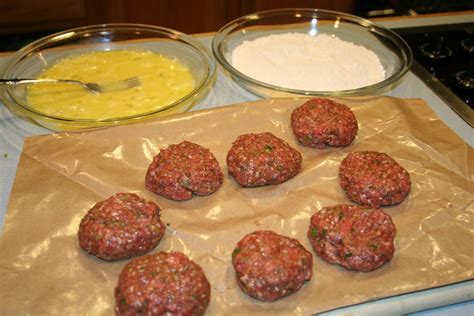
pixel 312 52
pixel 175 71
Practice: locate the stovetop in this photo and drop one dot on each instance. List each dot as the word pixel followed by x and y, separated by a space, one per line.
pixel 444 60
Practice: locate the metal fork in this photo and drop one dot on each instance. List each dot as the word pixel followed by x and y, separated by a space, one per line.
pixel 91 86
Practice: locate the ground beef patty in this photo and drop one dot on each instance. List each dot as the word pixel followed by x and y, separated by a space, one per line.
pixel 354 237
pixel 269 266
pixel 261 159
pixel 162 284
pixel 184 170
pixel 120 227
pixel 322 122
pixel 372 178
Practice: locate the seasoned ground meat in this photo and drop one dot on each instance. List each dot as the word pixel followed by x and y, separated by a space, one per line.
pixel 354 237
pixel 184 170
pixel 120 227
pixel 165 283
pixel 372 178
pixel 261 159
pixel 269 266
pixel 322 122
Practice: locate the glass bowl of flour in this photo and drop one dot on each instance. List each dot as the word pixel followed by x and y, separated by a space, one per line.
pixel 295 52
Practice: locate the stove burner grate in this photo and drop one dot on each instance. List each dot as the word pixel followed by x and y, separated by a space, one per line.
pixel 444 60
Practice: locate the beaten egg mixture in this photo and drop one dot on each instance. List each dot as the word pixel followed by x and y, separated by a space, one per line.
pixel 164 80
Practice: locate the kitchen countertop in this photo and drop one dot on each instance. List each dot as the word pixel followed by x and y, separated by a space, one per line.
pixel 225 91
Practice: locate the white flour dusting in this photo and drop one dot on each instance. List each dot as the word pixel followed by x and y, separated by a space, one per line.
pixel 304 62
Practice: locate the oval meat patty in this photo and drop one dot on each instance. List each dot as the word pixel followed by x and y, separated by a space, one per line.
pixel 184 170
pixel 165 283
pixel 269 266
pixel 120 227
pixel 354 237
pixel 261 159
pixel 372 178
pixel 322 122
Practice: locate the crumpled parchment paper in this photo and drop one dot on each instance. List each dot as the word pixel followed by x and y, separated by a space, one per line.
pixel 61 176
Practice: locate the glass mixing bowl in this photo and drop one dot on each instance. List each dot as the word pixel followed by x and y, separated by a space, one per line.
pixel 393 52
pixel 31 60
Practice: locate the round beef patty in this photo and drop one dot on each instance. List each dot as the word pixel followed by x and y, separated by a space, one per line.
pixel 354 237
pixel 269 266
pixel 162 284
pixel 120 227
pixel 322 122
pixel 184 170
pixel 372 178
pixel 261 159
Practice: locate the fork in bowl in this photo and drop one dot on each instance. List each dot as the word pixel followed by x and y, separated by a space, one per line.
pixel 90 86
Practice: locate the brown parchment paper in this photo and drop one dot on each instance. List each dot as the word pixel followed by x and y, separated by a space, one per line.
pixel 61 176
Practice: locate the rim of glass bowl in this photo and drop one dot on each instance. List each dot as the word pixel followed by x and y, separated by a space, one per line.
pixel 200 49
pixel 239 23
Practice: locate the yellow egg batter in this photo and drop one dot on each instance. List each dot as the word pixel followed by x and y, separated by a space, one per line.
pixel 163 81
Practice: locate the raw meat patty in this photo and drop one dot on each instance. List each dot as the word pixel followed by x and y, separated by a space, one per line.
pixel 261 159
pixel 354 237
pixel 322 122
pixel 162 284
pixel 269 266
pixel 184 170
pixel 372 178
pixel 120 227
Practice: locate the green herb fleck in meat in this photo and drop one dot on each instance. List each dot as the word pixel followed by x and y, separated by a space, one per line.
pixel 348 255
pixel 185 183
pixel 115 222
pixel 268 148
pixel 373 246
pixel 341 215
pixel 324 232
pixel 314 232
pixel 236 251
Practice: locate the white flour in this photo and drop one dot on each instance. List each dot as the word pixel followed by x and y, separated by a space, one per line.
pixel 301 61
